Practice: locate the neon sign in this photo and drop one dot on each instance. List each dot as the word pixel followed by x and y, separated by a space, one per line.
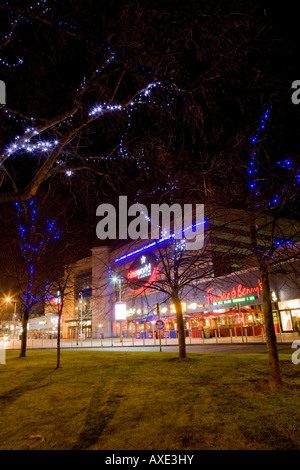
pixel 142 272
pixel 155 243
pixel 237 294
pixel 239 299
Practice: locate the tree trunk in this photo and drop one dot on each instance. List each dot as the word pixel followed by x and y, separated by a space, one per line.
pixel 58 343
pixel 180 326
pixel 24 333
pixel 274 367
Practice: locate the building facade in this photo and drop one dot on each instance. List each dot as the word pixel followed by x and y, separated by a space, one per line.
pixel 125 277
pixel 122 290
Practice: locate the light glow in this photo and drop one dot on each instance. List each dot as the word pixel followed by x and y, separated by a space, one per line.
pixel 120 311
pixel 161 240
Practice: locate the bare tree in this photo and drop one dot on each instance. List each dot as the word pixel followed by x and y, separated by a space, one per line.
pixel 179 271
pixel 62 290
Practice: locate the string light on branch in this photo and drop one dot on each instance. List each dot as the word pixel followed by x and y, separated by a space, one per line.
pixel 100 109
pixel 37 141
pixel 3 62
pixel 253 164
pixel 18 19
pixel 27 146
pixel 31 243
pixel 286 164
pixel 145 93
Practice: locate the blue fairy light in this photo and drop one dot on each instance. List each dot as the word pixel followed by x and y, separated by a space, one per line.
pixel 252 181
pixel 30 245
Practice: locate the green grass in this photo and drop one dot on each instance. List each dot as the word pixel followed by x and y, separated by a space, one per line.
pixel 146 401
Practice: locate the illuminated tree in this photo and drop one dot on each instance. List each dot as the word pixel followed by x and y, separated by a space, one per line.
pixel 274 191
pixel 35 238
pixel 265 189
pixel 99 89
pixel 63 132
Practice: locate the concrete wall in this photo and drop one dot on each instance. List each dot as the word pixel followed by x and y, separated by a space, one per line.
pixel 77 268
pixel 102 306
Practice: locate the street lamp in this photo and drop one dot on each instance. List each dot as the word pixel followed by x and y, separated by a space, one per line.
pixel 9 300
pixel 117 279
pixel 120 307
pixel 81 302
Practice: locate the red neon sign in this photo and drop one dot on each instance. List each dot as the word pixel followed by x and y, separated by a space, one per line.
pixel 235 293
pixel 150 280
pixel 132 275
pixel 141 273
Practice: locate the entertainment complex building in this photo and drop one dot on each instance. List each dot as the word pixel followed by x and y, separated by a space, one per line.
pixel 124 290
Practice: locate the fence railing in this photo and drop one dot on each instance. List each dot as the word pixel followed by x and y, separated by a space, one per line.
pixel 132 341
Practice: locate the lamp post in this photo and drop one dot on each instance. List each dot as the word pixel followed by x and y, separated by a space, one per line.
pixel 117 279
pixel 81 302
pixel 9 300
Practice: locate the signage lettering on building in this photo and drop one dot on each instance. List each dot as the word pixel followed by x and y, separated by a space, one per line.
pixel 239 299
pixel 235 294
pixel 142 272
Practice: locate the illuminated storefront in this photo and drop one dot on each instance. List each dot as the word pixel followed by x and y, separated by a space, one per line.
pixel 230 305
pixel 210 307
pixel 43 327
pixel 223 305
pixel 290 315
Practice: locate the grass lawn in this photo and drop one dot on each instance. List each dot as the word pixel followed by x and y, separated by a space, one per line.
pixel 146 401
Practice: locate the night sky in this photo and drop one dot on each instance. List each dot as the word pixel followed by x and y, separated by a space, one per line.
pixel 218 68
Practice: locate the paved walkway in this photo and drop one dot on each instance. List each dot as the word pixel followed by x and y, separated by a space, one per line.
pixel 283 348
pixel 128 343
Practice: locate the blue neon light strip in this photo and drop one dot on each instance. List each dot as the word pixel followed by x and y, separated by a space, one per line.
pixel 150 245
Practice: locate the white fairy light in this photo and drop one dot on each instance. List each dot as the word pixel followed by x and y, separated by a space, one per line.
pixel 28 141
